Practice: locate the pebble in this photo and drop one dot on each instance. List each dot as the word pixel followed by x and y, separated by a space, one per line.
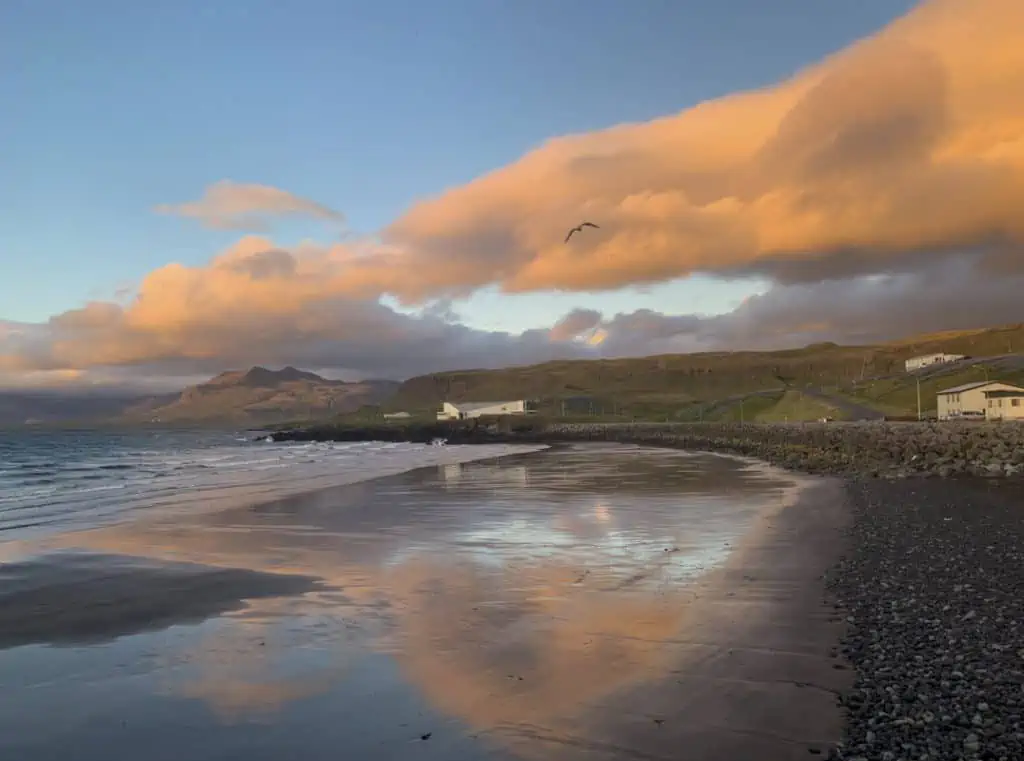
pixel 937 628
pixel 888 450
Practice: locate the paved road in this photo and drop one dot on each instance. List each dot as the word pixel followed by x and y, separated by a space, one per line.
pixel 850 409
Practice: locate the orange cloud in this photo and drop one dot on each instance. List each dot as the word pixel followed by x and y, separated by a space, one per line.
pixel 253 303
pixel 232 206
pixel 900 157
pixel 911 140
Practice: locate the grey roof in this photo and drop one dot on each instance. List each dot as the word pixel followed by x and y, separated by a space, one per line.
pixel 1005 392
pixel 976 384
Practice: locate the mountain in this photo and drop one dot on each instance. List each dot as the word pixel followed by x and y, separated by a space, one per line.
pixel 668 386
pixel 259 395
pixel 676 384
pixel 248 397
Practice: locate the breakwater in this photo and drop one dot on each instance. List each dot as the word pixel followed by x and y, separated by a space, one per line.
pixel 882 449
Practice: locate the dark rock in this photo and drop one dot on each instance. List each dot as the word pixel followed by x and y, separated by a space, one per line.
pixel 932 584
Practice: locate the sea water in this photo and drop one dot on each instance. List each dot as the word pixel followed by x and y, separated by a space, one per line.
pixel 52 481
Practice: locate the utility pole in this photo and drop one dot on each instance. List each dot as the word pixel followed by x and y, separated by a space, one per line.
pixel 742 416
pixel 919 398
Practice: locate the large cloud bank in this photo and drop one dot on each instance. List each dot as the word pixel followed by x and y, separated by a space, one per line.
pixel 879 191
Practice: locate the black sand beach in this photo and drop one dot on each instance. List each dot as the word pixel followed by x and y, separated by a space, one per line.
pixel 592 603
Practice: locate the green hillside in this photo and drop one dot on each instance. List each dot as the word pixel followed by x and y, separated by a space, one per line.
pixel 898 395
pixel 710 386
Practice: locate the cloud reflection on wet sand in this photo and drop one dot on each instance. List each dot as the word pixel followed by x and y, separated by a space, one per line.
pixel 508 595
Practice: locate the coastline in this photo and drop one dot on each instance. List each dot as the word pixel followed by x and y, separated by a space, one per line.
pixel 925 583
pixel 873 449
pixel 457 578
pixel 759 670
pixel 879 574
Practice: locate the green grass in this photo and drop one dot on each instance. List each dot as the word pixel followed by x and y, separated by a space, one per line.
pixel 794 407
pixel 899 395
pixel 746 410
pixel 673 386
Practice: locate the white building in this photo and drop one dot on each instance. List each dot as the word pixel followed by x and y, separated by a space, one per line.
pixel 1004 404
pixel 465 410
pixel 916 363
pixel 971 399
pixel 397 416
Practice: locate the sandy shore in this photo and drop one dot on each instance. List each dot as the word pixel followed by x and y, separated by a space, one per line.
pixel 760 673
pixel 584 603
pixel 72 598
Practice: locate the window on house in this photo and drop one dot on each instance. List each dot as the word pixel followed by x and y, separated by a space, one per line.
pixel 990 403
pixel 1015 402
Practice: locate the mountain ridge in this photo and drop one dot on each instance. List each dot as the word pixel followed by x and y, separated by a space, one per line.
pixel 254 396
pixel 260 395
pixel 657 386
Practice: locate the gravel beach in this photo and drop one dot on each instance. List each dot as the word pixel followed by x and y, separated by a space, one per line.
pixel 933 588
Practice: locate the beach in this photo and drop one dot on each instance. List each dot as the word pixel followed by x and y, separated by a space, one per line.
pixel 596 601
pixel 933 589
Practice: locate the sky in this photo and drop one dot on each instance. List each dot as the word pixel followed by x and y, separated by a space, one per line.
pixel 384 189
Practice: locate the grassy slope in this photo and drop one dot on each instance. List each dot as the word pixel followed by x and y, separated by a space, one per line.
pixel 900 394
pixel 795 407
pixel 678 387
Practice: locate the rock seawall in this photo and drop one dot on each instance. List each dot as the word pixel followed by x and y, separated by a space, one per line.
pixel 874 449
pixel 884 449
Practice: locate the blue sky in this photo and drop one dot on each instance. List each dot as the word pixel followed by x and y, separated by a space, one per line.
pixel 113 107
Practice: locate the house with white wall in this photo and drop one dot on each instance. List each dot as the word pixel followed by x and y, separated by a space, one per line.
pixel 970 399
pixel 1003 404
pixel 925 360
pixel 467 410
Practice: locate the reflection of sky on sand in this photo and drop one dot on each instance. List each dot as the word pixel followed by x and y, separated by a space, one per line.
pixel 495 476
pixel 507 596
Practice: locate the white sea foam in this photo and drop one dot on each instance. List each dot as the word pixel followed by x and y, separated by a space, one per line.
pixel 43 493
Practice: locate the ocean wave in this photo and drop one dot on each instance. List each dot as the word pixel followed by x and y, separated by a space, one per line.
pixel 67 483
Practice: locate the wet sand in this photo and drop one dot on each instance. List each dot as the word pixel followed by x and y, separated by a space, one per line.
pixel 585 603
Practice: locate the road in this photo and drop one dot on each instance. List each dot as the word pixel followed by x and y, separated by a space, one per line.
pixel 850 409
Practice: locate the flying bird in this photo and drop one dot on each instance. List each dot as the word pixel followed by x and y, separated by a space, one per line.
pixel 579 229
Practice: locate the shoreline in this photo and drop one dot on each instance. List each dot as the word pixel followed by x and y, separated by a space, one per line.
pixel 913 583
pixel 608 642
pixel 872 449
pixel 924 586
pixel 761 668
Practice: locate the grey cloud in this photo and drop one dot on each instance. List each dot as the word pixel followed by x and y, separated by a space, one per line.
pixel 950 295
pixel 368 339
pixel 575 324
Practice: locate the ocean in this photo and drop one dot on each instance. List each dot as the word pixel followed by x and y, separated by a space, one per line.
pixel 53 481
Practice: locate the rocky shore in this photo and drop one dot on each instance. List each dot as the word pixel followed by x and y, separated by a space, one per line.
pixel 932 588
pixel 879 449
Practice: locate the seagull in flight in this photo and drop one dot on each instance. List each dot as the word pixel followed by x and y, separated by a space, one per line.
pixel 579 229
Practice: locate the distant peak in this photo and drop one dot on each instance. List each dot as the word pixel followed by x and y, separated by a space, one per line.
pixel 263 376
